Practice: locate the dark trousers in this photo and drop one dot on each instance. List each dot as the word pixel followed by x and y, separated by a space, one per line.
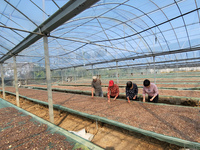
pixel 131 99
pixel 155 100
pixel 114 96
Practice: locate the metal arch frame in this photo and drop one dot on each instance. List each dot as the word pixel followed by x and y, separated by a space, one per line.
pixel 56 4
pixel 100 46
pixel 105 46
pixel 154 26
pixel 79 19
pixel 142 56
pixel 12 20
pixel 198 13
pixel 73 52
pixel 151 63
pixel 154 22
pixel 184 25
pixel 89 43
pixel 64 50
pixel 119 4
pixel 110 27
pixel 69 10
pixel 92 34
pixel 96 17
pixel 7 40
pixel 116 34
pixel 105 34
pixel 21 13
pixel 4 47
pixel 181 65
pixel 13 30
pixel 183 22
pixel 169 23
pixel 39 8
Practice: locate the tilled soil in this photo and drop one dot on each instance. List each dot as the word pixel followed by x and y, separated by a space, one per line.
pixel 160 82
pixel 163 92
pixel 159 85
pixel 180 122
pixel 189 85
pixel 106 136
pixel 18 132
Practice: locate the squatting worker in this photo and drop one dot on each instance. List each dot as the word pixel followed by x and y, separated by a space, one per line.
pixel 152 91
pixel 131 91
pixel 113 90
pixel 96 86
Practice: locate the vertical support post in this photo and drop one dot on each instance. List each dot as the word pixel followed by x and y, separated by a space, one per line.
pixel 74 74
pixel 92 71
pixel 176 70
pixel 147 70
pixel 48 78
pixel 34 73
pixel 66 77
pixel 16 80
pixel 62 75
pixel 154 69
pixel 2 78
pixel 117 72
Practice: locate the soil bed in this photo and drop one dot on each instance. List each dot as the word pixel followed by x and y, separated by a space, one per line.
pixel 19 132
pixel 106 136
pixel 180 122
pixel 165 92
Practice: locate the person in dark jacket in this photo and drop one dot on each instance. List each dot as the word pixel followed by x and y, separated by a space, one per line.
pixel 131 91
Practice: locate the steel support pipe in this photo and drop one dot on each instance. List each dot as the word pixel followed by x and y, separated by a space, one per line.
pixel 48 79
pixel 16 80
pixel 2 78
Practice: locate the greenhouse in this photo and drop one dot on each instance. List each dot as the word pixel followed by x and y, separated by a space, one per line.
pixel 62 60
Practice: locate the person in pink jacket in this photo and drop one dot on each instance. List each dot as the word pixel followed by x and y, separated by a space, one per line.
pixel 151 90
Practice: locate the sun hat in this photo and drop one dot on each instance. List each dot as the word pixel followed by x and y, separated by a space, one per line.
pixel 94 77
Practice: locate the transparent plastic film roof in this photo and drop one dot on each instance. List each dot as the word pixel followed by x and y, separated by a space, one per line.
pixel 101 34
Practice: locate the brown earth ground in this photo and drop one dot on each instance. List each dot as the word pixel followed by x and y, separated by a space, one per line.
pixel 180 85
pixel 185 82
pixel 181 122
pixel 106 136
pixel 164 92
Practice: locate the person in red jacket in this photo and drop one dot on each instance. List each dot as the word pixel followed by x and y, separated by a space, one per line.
pixel 113 91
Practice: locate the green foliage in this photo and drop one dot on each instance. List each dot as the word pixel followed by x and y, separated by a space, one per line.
pixel 39 74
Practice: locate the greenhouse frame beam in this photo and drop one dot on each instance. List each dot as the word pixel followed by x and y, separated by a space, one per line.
pixel 150 55
pixel 158 62
pixel 180 65
pixel 139 57
pixel 68 11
